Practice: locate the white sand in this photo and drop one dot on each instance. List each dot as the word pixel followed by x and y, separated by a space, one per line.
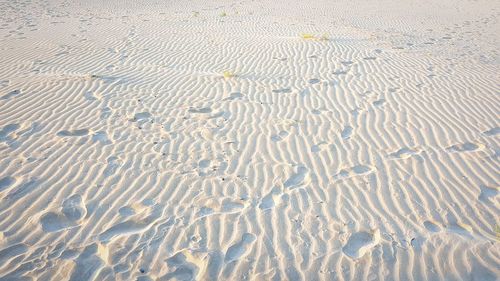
pixel 368 152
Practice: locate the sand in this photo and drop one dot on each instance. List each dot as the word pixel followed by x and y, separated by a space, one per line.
pixel 249 140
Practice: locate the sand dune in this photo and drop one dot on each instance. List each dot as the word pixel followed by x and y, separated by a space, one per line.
pixel 260 140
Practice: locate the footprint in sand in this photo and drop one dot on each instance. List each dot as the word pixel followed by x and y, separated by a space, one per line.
pixel 340 72
pixel 403 153
pixel 142 116
pixel 269 201
pixel 282 91
pixel 316 111
pixel 205 211
pixel 87 262
pixel 113 164
pixel 187 265
pixel 358 170
pixel 432 226
pixel 90 96
pixel 313 81
pixel 211 167
pixel 124 228
pixel 110 67
pixel 105 113
pixel 361 242
pixel 487 193
pixel 202 110
pixel 370 58
pixel 203 164
pixel 214 206
pixel 11 252
pixel 229 206
pixel 379 102
pixel 23 190
pixel 240 249
pixel 224 114
pixel 465 147
pixel 127 211
pixel 101 137
pixel 318 147
pixel 234 96
pixel 11 94
pixel 297 179
pixel 7 181
pixel 71 213
pixel 393 90
pixel 280 136
pixel 12 132
pixel 346 132
pixel 73 133
pixel 492 132
pixel 460 229
pixel 7 130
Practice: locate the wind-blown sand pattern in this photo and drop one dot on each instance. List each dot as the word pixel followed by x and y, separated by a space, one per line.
pixel 249 140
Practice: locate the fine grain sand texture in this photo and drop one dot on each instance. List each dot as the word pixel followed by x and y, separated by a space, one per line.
pixel 250 140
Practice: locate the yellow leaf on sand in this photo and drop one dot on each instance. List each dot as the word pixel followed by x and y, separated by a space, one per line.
pixel 323 37
pixel 307 36
pixel 228 74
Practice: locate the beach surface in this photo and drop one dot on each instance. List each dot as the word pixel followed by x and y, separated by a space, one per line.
pixel 250 140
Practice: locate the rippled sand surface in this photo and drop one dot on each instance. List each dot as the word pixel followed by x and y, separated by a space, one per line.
pixel 249 140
